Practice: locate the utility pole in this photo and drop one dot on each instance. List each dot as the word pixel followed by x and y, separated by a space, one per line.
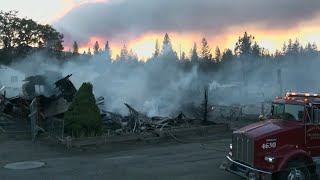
pixel 279 79
pixel 205 105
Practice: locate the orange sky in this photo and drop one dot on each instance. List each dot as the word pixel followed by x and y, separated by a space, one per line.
pixel 144 45
pixel 308 31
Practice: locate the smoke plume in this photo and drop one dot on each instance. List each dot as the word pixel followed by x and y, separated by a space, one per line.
pixel 164 87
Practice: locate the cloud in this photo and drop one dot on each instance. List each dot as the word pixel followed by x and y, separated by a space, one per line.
pixel 123 19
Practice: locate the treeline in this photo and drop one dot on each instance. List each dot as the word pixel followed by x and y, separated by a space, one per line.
pixel 20 37
pixel 246 49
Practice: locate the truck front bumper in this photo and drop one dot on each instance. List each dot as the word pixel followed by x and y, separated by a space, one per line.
pixel 245 171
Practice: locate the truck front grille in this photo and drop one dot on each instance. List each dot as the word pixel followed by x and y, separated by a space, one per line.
pixel 242 148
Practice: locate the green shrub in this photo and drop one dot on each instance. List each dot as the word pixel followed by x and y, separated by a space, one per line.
pixel 83 116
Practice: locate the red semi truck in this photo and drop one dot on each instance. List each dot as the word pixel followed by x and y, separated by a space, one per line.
pixel 285 145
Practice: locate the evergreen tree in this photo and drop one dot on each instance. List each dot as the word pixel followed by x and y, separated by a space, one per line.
pixel 194 53
pixel 227 55
pixel 265 53
pixel 107 50
pixel 205 50
pixel 243 46
pixel 310 49
pixel 296 47
pixel 89 51
pixel 107 46
pixel 96 48
pixel 256 50
pixel 284 49
pixel 83 116
pixel 277 54
pixel 124 54
pixel 217 54
pixel 183 56
pixel 289 47
pixel 314 47
pixel 167 46
pixel 132 56
pixel 157 49
pixel 75 48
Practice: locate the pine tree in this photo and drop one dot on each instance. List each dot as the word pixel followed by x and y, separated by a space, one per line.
pixel 243 46
pixel 124 54
pixel 106 46
pixel 296 47
pixel 166 46
pixel 157 49
pixel 277 54
pixel 308 47
pixel 194 53
pixel 256 50
pixel 183 56
pixel 289 47
pixel 96 48
pixel 227 55
pixel 284 50
pixel 314 47
pixel 217 54
pixel 107 50
pixel 75 48
pixel 205 50
pixel 89 51
pixel 132 56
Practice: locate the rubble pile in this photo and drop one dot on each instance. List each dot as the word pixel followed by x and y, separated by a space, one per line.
pixel 44 101
pixel 40 101
pixel 137 122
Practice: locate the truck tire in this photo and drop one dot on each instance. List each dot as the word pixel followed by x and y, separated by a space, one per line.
pixel 295 170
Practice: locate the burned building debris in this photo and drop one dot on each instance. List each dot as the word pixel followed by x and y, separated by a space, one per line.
pixel 40 101
pixel 66 88
pixel 45 100
pixel 137 122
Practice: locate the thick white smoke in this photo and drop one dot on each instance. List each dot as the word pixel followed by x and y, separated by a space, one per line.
pixel 162 87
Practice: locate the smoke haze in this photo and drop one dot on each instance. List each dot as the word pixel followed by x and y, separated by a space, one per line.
pixel 164 87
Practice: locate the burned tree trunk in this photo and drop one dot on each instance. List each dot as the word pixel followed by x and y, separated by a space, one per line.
pixel 205 106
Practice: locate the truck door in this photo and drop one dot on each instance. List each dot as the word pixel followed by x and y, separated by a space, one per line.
pixel 312 129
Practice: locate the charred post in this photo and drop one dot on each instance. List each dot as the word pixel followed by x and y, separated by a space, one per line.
pixel 205 105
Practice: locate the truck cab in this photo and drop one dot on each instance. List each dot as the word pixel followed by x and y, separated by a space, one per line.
pixel 285 145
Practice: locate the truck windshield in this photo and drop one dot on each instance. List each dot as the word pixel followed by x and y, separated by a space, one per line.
pixel 288 111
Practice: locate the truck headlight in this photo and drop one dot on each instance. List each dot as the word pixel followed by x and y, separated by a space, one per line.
pixel 269 159
pixel 230 151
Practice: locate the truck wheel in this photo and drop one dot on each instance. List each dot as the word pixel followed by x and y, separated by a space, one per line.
pixel 295 171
